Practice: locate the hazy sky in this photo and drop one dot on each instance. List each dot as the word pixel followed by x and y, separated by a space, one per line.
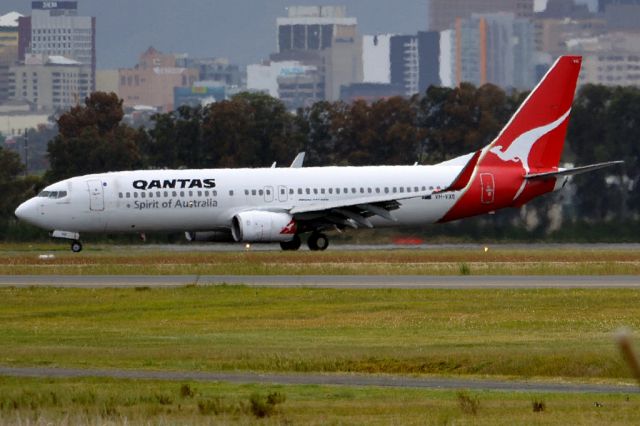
pixel 242 30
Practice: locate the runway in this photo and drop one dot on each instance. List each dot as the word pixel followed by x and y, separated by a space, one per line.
pixel 321 379
pixel 326 281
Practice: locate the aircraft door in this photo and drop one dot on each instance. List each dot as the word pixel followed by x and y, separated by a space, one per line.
pixel 268 194
pixel 488 188
pixel 96 195
pixel 282 193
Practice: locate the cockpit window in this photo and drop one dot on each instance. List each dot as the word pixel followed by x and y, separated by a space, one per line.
pixel 52 194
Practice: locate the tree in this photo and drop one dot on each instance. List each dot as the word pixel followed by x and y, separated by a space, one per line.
pixel 91 139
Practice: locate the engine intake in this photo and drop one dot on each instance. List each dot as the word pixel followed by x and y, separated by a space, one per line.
pixel 259 226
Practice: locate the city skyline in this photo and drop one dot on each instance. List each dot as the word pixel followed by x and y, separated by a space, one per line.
pixel 205 28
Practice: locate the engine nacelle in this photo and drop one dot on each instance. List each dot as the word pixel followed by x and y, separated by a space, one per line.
pixel 219 236
pixel 258 226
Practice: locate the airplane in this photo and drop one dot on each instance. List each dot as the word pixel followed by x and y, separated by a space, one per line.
pixel 278 205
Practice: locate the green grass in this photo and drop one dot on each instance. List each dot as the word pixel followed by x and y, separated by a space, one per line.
pixel 99 401
pixel 23 259
pixel 500 333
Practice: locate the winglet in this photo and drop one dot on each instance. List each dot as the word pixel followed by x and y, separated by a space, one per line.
pixel 297 162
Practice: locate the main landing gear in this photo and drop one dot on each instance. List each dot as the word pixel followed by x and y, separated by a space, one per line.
pixel 292 245
pixel 317 241
pixel 76 246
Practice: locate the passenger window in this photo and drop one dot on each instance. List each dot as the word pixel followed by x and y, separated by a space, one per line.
pixel 386 190
pixel 231 193
pixel 143 195
pixel 300 191
pixel 377 190
pixel 190 193
pixel 246 192
pixel 151 195
pixel 254 192
pixel 353 190
pixel 315 190
pixel 330 190
pixel 174 194
pixel 120 195
pixel 369 190
pixel 268 192
pixel 416 189
pixel 182 193
pixel 135 195
pixel 166 194
pixel 291 191
pixel 206 193
pixel 215 193
pixel 158 194
pixel 200 193
pixel 261 192
pixel 424 188
pixel 322 191
pixel 346 190
pixel 431 188
pixel 401 189
pixel 128 195
pixel 337 190
pixel 308 191
pixel 395 189
pixel 408 189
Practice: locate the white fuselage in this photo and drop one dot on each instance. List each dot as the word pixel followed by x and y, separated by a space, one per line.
pixel 200 200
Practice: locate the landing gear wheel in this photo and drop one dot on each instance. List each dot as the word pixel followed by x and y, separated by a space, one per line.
pixel 76 246
pixel 292 245
pixel 318 242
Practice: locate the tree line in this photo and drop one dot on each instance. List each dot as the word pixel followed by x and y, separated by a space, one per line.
pixel 254 130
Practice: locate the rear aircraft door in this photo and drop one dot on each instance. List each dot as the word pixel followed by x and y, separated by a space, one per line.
pixel 282 193
pixel 96 195
pixel 488 188
pixel 268 194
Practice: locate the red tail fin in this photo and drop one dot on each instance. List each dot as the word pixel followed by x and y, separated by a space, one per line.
pixel 531 142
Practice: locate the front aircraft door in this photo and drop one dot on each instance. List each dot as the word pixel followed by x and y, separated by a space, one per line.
pixel 488 188
pixel 96 195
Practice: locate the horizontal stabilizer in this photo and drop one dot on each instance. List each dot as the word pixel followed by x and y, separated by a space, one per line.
pixel 572 171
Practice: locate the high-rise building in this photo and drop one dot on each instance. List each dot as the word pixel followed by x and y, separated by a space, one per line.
pixel 322 36
pixel 415 61
pixel 50 83
pixel 152 81
pixel 443 13
pixel 314 27
pixel 494 48
pixel 621 15
pixel 218 70
pixel 8 50
pixel 603 4
pixel 55 29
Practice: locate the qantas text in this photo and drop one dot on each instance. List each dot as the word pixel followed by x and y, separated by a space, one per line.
pixel 174 183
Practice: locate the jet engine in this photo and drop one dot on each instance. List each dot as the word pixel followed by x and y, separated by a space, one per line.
pixel 218 236
pixel 261 226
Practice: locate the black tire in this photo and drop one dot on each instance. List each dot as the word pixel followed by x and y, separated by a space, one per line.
pixel 76 246
pixel 318 242
pixel 292 245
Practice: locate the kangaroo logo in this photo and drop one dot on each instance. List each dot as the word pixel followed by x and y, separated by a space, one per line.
pixel 520 148
pixel 290 229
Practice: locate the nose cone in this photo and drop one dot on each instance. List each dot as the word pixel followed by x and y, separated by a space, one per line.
pixel 27 212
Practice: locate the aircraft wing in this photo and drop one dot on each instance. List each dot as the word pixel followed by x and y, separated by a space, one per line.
pixel 354 212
